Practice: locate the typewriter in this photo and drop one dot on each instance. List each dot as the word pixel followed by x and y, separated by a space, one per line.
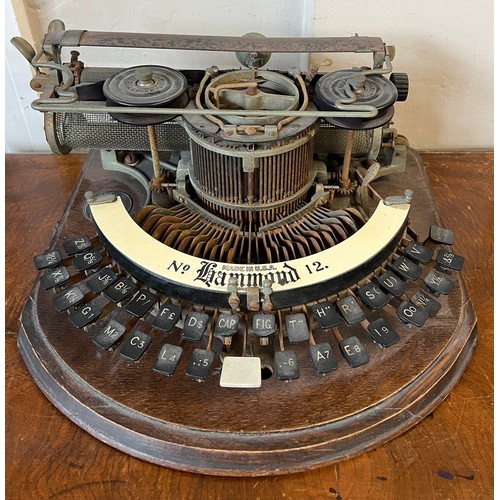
pixel 250 277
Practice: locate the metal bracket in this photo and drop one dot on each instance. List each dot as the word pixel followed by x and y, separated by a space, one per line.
pixel 99 199
pixel 399 199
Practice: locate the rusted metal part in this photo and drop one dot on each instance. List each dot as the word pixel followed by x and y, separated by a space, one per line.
pixel 157 174
pixel 76 66
pixel 180 228
pixel 271 91
pixel 214 43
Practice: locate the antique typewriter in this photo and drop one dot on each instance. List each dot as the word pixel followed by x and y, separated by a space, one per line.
pixel 250 277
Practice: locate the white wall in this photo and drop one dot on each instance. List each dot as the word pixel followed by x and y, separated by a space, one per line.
pixel 446 46
pixel 23 126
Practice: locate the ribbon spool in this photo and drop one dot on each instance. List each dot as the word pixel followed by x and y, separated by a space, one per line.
pixel 153 86
pixel 373 90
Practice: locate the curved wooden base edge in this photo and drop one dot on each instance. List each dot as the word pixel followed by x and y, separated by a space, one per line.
pixel 260 454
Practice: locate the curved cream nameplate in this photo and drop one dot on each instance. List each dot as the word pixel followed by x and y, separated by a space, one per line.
pixel 154 257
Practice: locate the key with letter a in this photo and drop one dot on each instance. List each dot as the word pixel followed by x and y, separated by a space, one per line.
pixel 322 357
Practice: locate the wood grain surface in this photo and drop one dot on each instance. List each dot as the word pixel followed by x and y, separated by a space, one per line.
pixel 448 455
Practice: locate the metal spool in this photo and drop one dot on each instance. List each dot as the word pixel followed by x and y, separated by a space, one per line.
pixel 145 86
pixel 153 86
pixel 334 88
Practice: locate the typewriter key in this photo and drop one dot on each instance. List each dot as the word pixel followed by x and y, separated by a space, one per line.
pixel 168 359
pixel 286 365
pixel 323 358
pixel 134 345
pixel 200 364
pixel 167 317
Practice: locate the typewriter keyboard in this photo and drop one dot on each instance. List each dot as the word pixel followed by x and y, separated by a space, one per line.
pixel 118 312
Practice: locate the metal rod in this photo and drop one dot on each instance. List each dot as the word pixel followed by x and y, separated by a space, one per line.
pixel 367 112
pixel 347 157
pixel 154 152
pixel 72 38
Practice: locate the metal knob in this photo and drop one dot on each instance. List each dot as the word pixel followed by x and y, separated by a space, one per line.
pixel 357 82
pixel 144 77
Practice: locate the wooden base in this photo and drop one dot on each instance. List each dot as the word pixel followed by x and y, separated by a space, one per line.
pixel 281 427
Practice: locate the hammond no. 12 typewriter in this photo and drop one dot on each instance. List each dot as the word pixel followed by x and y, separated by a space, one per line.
pixel 250 277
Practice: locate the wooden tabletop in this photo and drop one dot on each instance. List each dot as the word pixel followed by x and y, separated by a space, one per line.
pixel 448 455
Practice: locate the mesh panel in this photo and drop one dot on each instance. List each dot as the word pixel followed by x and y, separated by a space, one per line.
pixel 330 139
pixel 101 131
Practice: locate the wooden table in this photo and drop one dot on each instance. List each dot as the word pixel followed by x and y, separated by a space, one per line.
pixel 448 455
